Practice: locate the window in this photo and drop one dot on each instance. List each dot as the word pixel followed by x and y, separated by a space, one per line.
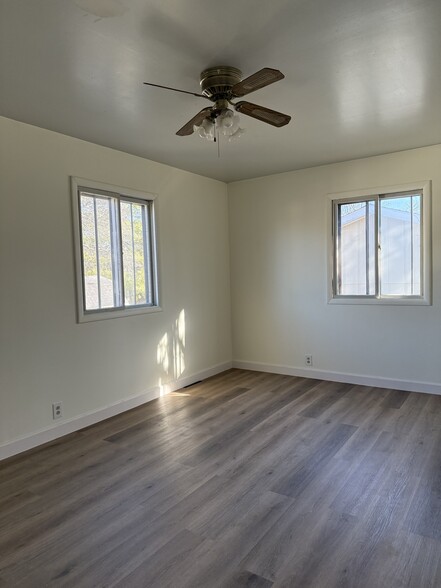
pixel 381 247
pixel 115 251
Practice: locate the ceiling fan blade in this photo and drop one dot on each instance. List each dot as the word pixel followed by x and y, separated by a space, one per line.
pixel 260 79
pixel 272 117
pixel 187 129
pixel 175 90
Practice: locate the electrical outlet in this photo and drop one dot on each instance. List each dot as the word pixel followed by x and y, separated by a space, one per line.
pixel 308 360
pixel 57 410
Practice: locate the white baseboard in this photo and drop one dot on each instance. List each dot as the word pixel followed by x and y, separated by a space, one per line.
pixel 84 420
pixel 377 382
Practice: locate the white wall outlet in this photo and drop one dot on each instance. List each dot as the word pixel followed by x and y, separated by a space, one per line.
pixel 57 410
pixel 308 360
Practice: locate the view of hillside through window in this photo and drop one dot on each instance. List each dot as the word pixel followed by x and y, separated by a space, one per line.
pixel 116 255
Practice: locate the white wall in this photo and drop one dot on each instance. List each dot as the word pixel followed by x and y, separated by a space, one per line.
pixel 278 240
pixel 45 356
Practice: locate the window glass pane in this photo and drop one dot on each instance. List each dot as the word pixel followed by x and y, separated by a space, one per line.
pixel 134 252
pixel 105 252
pixel 97 252
pixel 147 219
pixel 355 255
pixel 400 223
pixel 371 247
pixel 89 252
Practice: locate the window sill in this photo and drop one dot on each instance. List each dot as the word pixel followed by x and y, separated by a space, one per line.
pixel 380 301
pixel 112 314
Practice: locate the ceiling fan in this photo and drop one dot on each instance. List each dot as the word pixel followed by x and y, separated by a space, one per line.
pixel 221 85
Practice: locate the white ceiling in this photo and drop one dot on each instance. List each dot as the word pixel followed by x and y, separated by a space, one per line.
pixel 363 77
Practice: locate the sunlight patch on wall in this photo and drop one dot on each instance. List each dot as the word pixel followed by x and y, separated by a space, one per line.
pixel 170 354
pixel 179 344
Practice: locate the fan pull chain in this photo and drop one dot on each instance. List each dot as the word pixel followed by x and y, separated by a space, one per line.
pixel 216 137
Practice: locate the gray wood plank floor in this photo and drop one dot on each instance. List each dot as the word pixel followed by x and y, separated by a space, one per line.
pixel 245 479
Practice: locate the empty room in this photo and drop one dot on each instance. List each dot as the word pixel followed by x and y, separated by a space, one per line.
pixel 220 301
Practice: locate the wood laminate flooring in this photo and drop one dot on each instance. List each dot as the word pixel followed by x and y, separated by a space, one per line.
pixel 245 479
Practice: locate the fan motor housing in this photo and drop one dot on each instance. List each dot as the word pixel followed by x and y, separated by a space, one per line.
pixel 216 82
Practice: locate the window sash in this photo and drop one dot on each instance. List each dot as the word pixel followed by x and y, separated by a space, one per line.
pixel 336 245
pixel 382 245
pixel 147 247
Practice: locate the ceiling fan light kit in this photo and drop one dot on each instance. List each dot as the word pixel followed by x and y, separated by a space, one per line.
pixel 221 85
pixel 227 122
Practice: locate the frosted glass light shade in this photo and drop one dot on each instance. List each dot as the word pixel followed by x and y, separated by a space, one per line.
pixel 228 122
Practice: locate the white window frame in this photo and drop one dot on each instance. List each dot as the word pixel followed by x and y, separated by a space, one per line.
pixel 79 185
pixel 423 187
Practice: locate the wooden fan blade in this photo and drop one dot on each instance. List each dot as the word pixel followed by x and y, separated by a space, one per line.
pixel 260 79
pixel 175 90
pixel 187 129
pixel 272 117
